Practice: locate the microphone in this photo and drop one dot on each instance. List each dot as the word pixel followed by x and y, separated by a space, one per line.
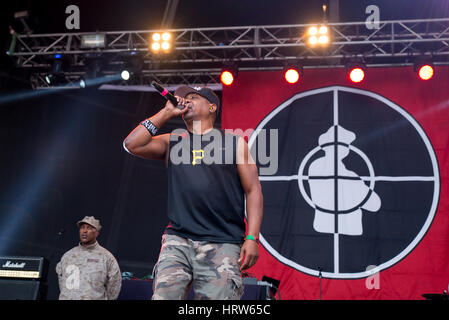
pixel 166 94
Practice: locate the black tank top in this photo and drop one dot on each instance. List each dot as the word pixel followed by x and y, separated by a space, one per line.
pixel 205 195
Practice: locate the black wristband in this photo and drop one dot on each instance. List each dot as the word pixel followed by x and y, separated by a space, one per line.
pixel 152 129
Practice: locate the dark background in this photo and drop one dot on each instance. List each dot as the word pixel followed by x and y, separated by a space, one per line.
pixel 61 153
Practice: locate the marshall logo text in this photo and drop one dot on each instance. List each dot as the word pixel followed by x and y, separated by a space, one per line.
pixel 10 264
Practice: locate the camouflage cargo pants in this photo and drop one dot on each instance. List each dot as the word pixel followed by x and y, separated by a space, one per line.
pixel 212 268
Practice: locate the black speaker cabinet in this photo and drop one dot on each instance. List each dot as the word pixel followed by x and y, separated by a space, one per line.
pixel 21 290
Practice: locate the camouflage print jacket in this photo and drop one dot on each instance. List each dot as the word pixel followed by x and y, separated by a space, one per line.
pixel 88 273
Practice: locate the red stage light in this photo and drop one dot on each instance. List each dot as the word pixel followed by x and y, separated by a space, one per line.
pixel 291 75
pixel 227 77
pixel 425 72
pixel 356 74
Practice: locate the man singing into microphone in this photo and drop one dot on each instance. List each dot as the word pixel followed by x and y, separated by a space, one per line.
pixel 204 243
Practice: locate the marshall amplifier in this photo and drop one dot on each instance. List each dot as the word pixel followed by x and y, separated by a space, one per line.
pixel 21 267
pixel 22 278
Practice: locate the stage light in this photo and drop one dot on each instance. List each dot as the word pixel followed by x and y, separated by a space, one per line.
pixel 166 36
pixel 156 37
pixel 55 75
pixel 228 74
pixel 356 74
pixel 323 30
pixel 82 83
pixel 313 31
pixel 292 76
pixel 53 79
pixel 21 14
pixel 425 71
pixel 323 40
pixel 155 46
pixel 132 66
pixel 161 41
pixel 293 73
pixel 227 78
pixel 423 66
pixel 318 35
pixel 165 46
pixel 89 41
pixel 356 70
pixel 125 75
pixel 313 40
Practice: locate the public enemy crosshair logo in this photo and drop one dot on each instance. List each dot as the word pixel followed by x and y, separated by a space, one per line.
pixel 340 214
pixel 357 185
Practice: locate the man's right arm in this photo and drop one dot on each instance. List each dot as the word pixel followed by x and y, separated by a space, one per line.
pixel 142 144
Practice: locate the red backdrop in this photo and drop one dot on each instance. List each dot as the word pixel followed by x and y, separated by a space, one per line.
pixel 426 268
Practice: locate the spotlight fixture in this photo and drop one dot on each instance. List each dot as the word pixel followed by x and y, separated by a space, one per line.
pixel 318 35
pixel 82 83
pixel 125 75
pixel 356 72
pixel 161 42
pixel 424 69
pixel 91 41
pixel 132 66
pixel 293 73
pixel 54 79
pixel 21 15
pixel 55 75
pixel 356 75
pixel 48 78
pixel 228 75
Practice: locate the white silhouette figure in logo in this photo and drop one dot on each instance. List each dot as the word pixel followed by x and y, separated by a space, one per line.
pixel 353 194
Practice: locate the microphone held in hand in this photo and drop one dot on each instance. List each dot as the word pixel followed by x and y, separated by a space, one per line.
pixel 166 94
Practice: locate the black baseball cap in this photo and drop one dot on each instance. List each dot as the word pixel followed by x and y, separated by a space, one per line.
pixel 205 92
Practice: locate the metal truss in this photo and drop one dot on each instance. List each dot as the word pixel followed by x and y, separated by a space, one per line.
pixel 200 53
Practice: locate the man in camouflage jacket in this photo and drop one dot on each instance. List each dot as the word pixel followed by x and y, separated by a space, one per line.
pixel 88 271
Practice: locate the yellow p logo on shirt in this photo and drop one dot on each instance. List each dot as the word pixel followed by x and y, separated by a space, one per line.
pixel 196 156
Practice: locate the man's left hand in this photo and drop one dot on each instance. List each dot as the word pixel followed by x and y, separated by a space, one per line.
pixel 248 254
